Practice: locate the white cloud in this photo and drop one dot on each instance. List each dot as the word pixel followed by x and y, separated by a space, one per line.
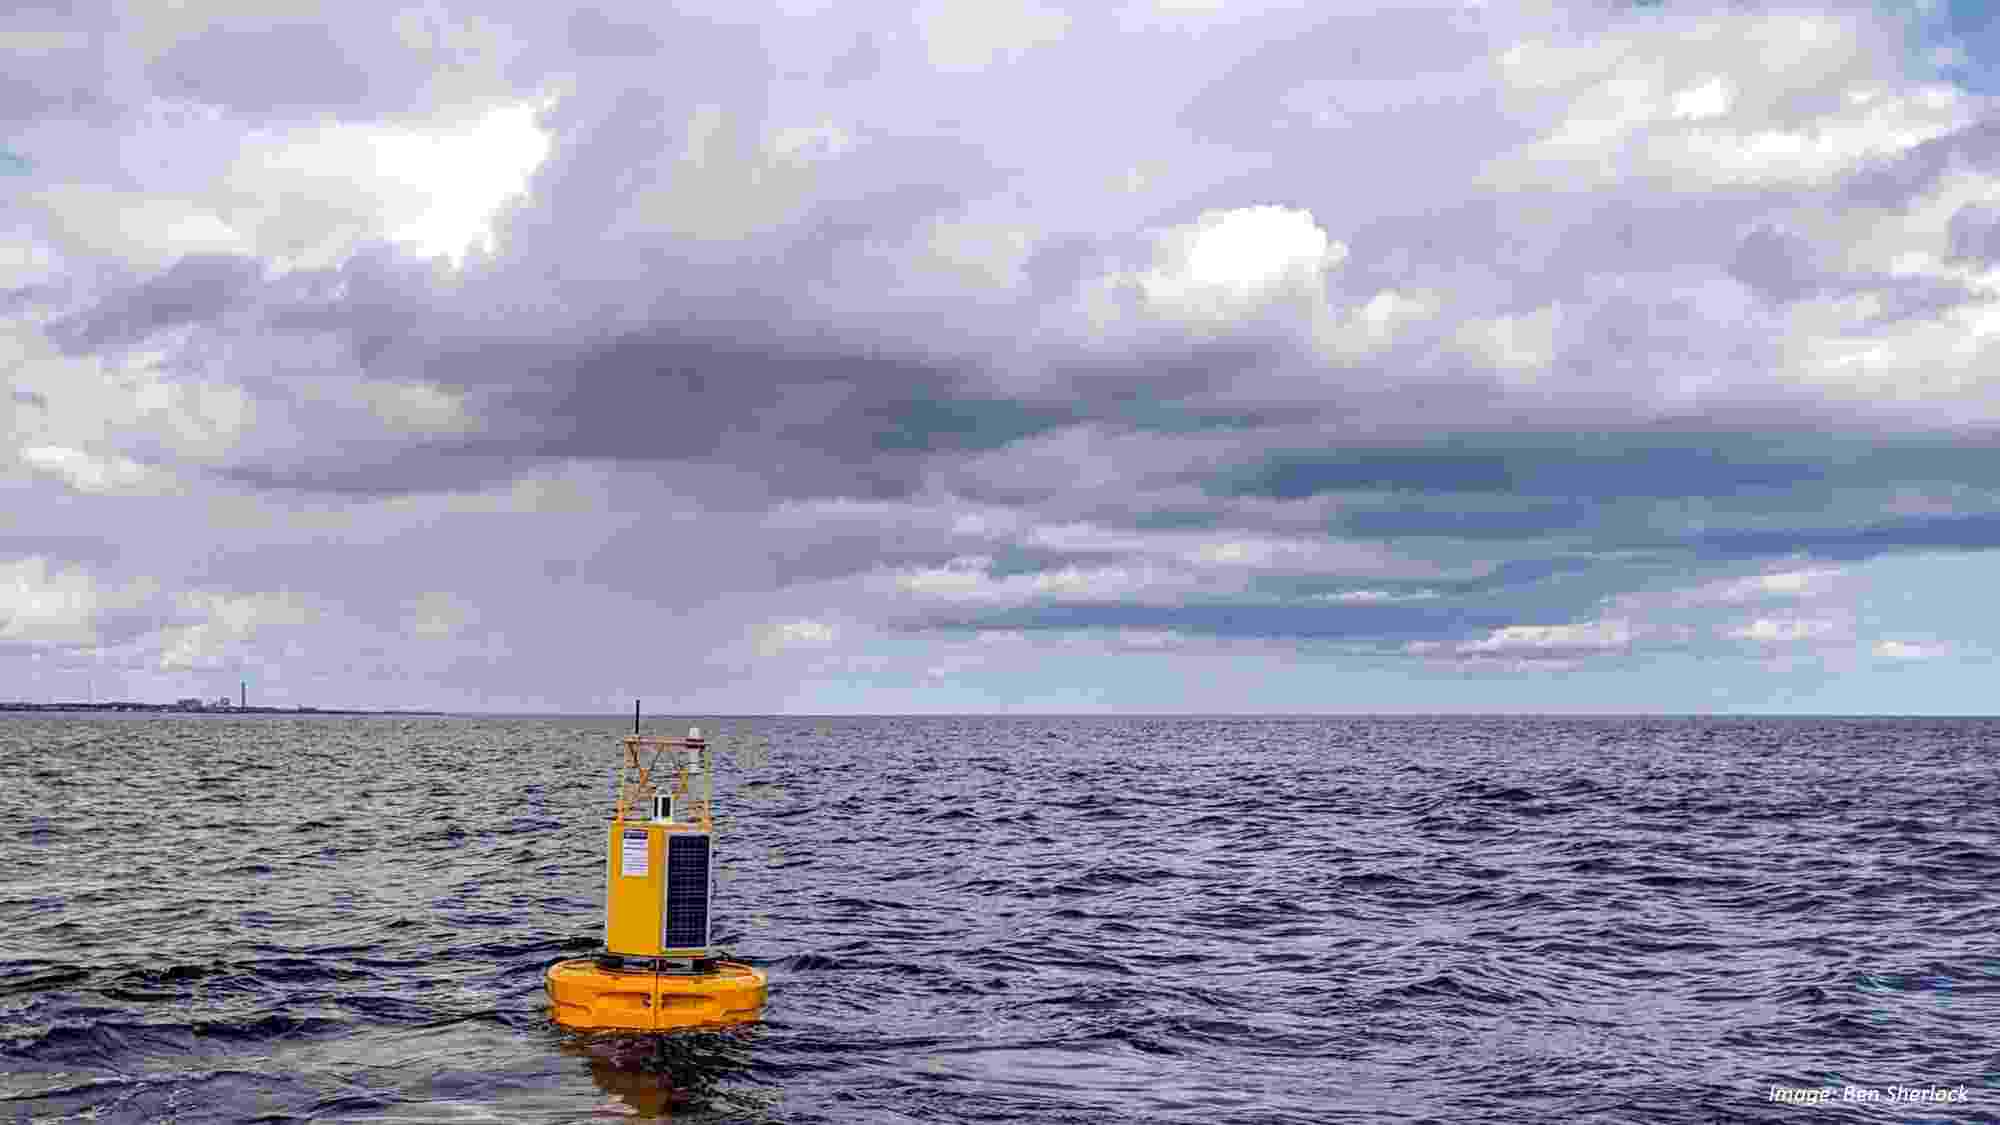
pixel 985 254
pixel 733 179
pixel 1268 553
pixel 1602 635
pixel 1909 650
pixel 785 636
pixel 95 473
pixel 1252 552
pixel 439 614
pixel 1708 106
pixel 1521 343
pixel 417 407
pixel 228 625
pixel 1781 155
pixel 148 230
pixel 966 580
pixel 1366 597
pixel 1088 537
pixel 808 144
pixel 1149 640
pixel 43 605
pixel 1935 365
pixel 1803 583
pixel 1550 647
pixel 1787 630
pixel 1230 262
pixel 982 524
pixel 971 35
pixel 1235 551
pixel 1704 100
pixel 40 41
pixel 1784 583
pixel 311 195
pixel 26 259
pixel 198 418
pixel 465 176
pixel 1372 326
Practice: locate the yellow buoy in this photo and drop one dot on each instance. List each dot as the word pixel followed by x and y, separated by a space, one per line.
pixel 589 997
pixel 658 971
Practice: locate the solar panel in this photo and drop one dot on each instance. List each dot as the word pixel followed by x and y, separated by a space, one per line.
pixel 686 923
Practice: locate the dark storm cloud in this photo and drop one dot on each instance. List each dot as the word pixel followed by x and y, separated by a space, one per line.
pixel 860 204
pixel 844 554
pixel 1322 48
pixel 93 551
pixel 355 68
pixel 1496 488
pixel 1015 560
pixel 592 34
pixel 1246 619
pixel 1777 264
pixel 1180 518
pixel 13 301
pixel 1895 182
pixel 1535 246
pixel 59 91
pixel 1295 475
pixel 956 424
pixel 1520 521
pixel 1916 298
pixel 382 472
pixel 1505 583
pixel 630 560
pixel 801 422
pixel 1002 493
pixel 1151 391
pixel 196 289
pixel 1595 467
pixel 63 69
pixel 809 424
pixel 373 302
pixel 1931 533
pixel 858 63
pixel 1975 233
pixel 1520 572
pixel 120 626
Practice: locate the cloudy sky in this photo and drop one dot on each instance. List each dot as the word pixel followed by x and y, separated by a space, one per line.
pixel 1002 355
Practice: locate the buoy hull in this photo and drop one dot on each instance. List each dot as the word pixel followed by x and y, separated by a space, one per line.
pixel 588 997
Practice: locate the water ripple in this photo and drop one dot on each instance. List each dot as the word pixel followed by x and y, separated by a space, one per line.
pixel 1020 919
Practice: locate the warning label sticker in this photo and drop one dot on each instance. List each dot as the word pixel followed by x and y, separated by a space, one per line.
pixel 632 854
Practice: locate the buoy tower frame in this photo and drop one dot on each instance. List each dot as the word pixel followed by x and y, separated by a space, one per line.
pixel 658 970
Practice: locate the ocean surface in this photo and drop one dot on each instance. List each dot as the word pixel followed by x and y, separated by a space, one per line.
pixel 1018 919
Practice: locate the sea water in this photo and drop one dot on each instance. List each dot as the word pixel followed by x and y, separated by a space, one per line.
pixel 264 918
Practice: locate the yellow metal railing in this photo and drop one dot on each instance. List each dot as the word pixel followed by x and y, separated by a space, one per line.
pixel 689 775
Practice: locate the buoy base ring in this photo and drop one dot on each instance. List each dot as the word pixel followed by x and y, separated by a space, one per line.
pixel 585 996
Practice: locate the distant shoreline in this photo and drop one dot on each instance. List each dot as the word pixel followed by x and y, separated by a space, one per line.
pixel 178 709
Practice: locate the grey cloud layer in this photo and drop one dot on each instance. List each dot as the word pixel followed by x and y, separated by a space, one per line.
pixel 855 257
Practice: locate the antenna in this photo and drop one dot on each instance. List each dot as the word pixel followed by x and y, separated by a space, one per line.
pixel 635 716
